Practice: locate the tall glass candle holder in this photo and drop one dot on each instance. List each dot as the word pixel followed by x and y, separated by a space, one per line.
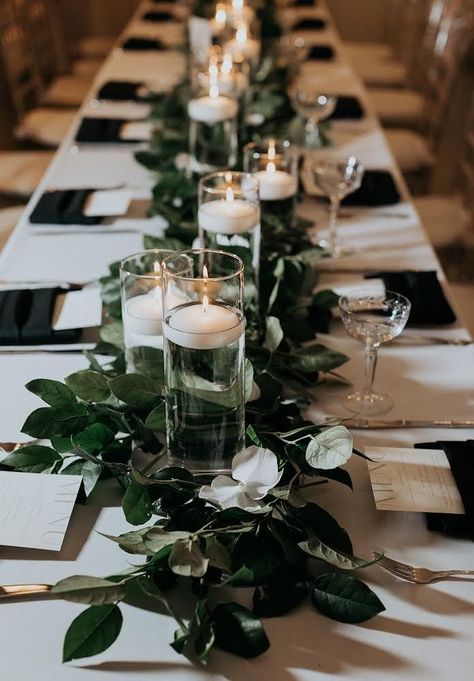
pixel 229 218
pixel 142 311
pixel 213 140
pixel 204 348
pixel 275 166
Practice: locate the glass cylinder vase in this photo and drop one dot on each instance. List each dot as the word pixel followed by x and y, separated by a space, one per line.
pixel 229 219
pixel 204 347
pixel 275 165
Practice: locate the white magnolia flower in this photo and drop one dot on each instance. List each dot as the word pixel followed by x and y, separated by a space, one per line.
pixel 254 473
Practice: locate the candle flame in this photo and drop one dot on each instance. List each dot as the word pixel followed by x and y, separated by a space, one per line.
pixel 271 167
pixel 226 64
pixel 229 194
pixel 213 76
pixel 205 272
pixel 241 34
pixel 237 4
pixel 271 150
pixel 221 14
pixel 205 304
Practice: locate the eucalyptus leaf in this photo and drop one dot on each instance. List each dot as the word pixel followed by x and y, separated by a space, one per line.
pixel 89 590
pixel 345 599
pixel 52 392
pixel 92 632
pixel 330 448
pixel 33 459
pixel 186 558
pixel 89 385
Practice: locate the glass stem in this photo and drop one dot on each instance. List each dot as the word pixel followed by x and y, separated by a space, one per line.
pixel 370 367
pixel 312 132
pixel 333 211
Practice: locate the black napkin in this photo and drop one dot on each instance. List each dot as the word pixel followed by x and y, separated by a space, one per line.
pixel 423 290
pixel 309 24
pixel 461 459
pixel 119 91
pixel 304 3
pixel 26 316
pixel 158 16
pixel 321 53
pixel 378 188
pixel 347 108
pixel 143 44
pixel 63 207
pixel 103 130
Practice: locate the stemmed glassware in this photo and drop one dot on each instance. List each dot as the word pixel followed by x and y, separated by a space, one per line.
pixel 372 318
pixel 335 178
pixel 314 107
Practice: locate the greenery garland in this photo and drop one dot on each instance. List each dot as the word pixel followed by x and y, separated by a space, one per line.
pixel 100 422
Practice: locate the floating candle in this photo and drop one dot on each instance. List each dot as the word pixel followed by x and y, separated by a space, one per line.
pixel 232 216
pixel 243 47
pixel 204 326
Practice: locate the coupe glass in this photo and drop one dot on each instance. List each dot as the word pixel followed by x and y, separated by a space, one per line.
pixel 372 318
pixel 335 178
pixel 314 107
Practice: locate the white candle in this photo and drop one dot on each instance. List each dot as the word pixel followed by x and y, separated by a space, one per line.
pixel 144 313
pixel 276 185
pixel 212 110
pixel 243 47
pixel 232 216
pixel 204 326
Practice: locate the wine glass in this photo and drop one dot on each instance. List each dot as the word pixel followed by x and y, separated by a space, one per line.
pixel 314 107
pixel 336 177
pixel 372 318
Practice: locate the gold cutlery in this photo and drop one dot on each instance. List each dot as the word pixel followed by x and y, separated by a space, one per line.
pixel 367 424
pixel 418 575
pixel 18 590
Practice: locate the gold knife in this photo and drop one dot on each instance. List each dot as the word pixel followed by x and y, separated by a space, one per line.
pixel 18 590
pixel 367 424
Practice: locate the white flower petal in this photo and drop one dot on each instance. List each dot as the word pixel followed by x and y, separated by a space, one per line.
pixel 258 468
pixel 224 492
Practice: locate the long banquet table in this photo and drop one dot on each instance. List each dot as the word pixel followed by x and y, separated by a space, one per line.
pixel 426 632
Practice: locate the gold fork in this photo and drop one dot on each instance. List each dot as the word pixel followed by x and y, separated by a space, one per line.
pixel 17 590
pixel 417 575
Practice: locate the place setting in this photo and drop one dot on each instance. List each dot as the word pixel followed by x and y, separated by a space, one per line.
pixel 229 333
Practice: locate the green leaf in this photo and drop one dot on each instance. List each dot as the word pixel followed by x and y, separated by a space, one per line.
pixel 218 554
pixel 252 391
pixel 156 419
pixel 279 597
pixel 250 432
pixel 148 540
pixel 274 334
pixel 47 422
pixel 345 561
pixel 316 358
pixel 136 504
pixel 136 390
pixel 330 449
pixel 186 558
pixel 89 385
pixel 92 632
pixel 113 333
pixel 90 472
pixel 94 439
pixel 89 590
pixel 239 631
pixel 319 523
pixel 53 393
pixel 345 599
pixel 33 459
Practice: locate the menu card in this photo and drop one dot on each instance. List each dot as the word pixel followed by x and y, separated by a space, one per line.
pixel 35 509
pixel 418 480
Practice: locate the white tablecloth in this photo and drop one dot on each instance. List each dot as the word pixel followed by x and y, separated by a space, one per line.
pixel 426 632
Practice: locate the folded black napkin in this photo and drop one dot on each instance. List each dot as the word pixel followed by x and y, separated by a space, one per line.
pixel 158 16
pixel 378 188
pixel 63 207
pixel 304 3
pixel 428 302
pixel 142 44
pixel 321 53
pixel 120 91
pixel 103 130
pixel 26 316
pixel 309 24
pixel 461 460
pixel 347 108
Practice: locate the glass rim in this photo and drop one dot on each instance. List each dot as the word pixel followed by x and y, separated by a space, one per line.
pixel 198 251
pixel 150 275
pixel 285 143
pixel 370 293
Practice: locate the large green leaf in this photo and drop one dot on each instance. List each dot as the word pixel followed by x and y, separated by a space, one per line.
pixel 136 504
pixel 319 523
pixel 94 439
pixel 33 459
pixel 330 448
pixel 156 419
pixel 239 631
pixel 345 599
pixel 89 385
pixel 148 540
pixel 135 390
pixel 345 561
pixel 112 333
pixel 92 632
pixel 89 590
pixel 186 558
pixel 53 393
pixel 46 422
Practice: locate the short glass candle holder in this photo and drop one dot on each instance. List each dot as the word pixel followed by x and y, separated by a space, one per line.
pixel 204 354
pixel 232 77
pixel 213 129
pixel 275 165
pixel 229 219
pixel 142 311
